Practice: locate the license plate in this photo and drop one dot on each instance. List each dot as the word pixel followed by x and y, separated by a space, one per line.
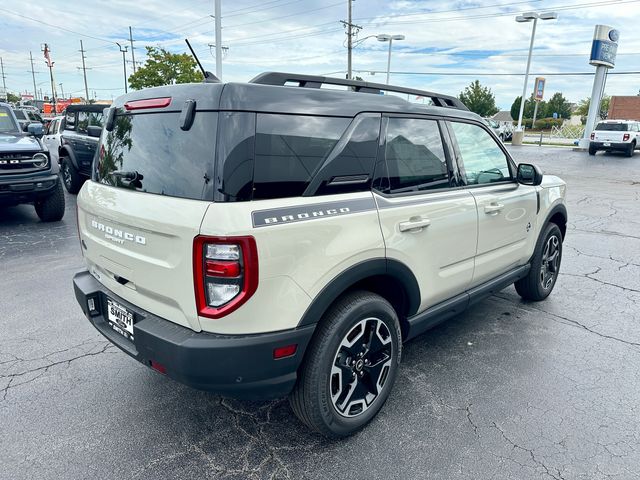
pixel 120 319
pixel 606 144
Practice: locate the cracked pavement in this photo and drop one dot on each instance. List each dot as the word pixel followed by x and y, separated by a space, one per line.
pixel 508 390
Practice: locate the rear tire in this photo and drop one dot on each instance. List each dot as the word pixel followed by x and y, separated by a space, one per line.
pixel 545 266
pixel 70 176
pixel 51 209
pixel 632 147
pixel 350 365
pixel 592 150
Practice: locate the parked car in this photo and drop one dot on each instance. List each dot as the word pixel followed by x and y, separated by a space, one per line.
pixel 53 138
pixel 27 117
pixel 503 131
pixel 82 128
pixel 615 135
pixel 267 239
pixel 26 172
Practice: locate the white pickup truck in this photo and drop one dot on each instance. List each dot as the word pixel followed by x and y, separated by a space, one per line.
pixel 615 135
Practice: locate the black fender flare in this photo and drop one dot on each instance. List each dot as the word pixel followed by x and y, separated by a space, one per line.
pixel 354 274
pixel 558 208
pixel 67 151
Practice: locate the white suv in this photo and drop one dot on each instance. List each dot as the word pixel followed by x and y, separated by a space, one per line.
pixel 615 135
pixel 273 238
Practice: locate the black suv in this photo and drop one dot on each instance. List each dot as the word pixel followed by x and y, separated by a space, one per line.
pixel 26 173
pixel 83 125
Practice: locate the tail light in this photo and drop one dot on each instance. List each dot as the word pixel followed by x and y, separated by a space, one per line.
pixel 625 137
pixel 593 135
pixel 225 273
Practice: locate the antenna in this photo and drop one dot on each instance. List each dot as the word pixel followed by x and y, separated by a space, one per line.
pixel 208 76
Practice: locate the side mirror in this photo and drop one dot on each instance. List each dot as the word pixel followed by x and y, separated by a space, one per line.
pixel 94 131
pixel 35 129
pixel 529 174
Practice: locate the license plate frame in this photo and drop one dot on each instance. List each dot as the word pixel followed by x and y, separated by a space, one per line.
pixel 606 144
pixel 120 318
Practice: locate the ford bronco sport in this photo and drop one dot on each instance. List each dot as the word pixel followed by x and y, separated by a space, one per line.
pixel 26 172
pixel 275 237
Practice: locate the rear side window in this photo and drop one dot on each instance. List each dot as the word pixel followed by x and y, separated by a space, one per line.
pixel 20 115
pixel 70 121
pixel 613 127
pixel 288 151
pixel 415 156
pixel 86 119
pixel 150 153
pixel 483 161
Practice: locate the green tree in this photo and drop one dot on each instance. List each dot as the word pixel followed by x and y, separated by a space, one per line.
pixel 165 68
pixel 528 108
pixel 583 106
pixel 479 99
pixel 558 104
pixel 11 98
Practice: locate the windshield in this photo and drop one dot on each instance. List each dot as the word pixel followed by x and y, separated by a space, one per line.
pixel 7 124
pixel 613 127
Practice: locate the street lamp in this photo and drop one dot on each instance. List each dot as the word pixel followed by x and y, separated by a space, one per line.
pixel 525 18
pixel 389 38
pixel 124 64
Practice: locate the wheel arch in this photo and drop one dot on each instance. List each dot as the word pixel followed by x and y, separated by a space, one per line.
pixel 389 278
pixel 558 215
pixel 66 151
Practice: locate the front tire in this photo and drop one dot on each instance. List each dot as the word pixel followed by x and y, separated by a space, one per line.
pixel 545 266
pixel 350 365
pixel 51 209
pixel 70 176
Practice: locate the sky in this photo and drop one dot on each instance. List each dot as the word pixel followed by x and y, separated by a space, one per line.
pixel 448 44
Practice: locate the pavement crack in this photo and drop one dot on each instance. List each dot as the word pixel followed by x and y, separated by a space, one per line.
pixel 574 322
pixel 470 419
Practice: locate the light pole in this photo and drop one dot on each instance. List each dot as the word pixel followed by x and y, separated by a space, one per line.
pixel 62 90
pixel 124 64
pixel 389 38
pixel 525 18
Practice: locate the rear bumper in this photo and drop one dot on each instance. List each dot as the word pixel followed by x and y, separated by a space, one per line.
pixel 240 366
pixel 611 145
pixel 15 190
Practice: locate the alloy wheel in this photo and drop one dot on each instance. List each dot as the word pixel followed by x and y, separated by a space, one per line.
pixel 361 367
pixel 550 262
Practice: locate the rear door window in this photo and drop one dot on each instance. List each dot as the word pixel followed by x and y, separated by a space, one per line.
pixel 288 151
pixel 150 153
pixel 7 123
pixel 415 156
pixel 481 158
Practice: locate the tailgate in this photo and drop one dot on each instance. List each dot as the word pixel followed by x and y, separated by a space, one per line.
pixel 140 247
pixel 609 136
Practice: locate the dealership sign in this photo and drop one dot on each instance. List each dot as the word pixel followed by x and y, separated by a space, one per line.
pixel 538 93
pixel 604 46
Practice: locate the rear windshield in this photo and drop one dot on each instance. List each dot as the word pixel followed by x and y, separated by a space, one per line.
pixel 7 124
pixel 150 153
pixel 613 127
pixel 20 115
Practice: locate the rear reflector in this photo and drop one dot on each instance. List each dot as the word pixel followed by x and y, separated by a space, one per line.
pixel 158 367
pixel 283 352
pixel 160 102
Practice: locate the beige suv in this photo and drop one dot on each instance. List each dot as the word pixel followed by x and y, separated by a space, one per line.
pixel 276 238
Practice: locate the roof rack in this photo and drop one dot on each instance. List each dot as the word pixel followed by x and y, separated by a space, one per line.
pixel 315 81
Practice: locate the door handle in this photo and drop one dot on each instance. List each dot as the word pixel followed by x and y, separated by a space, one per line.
pixel 415 224
pixel 493 208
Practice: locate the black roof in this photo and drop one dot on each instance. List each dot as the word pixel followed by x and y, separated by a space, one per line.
pixel 303 99
pixel 87 107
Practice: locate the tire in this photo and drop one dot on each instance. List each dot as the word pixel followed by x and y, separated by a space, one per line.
pixel 51 209
pixel 592 150
pixel 70 176
pixel 321 398
pixel 545 266
pixel 630 149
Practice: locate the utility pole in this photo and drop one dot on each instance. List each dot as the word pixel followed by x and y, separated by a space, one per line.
pixel 61 90
pixel 33 76
pixel 84 73
pixel 133 55
pixel 124 64
pixel 47 56
pixel 4 82
pixel 352 30
pixel 218 26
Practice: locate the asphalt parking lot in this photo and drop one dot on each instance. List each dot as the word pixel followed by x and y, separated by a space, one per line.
pixel 509 390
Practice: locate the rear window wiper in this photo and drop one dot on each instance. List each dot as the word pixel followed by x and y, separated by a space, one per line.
pixel 130 176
